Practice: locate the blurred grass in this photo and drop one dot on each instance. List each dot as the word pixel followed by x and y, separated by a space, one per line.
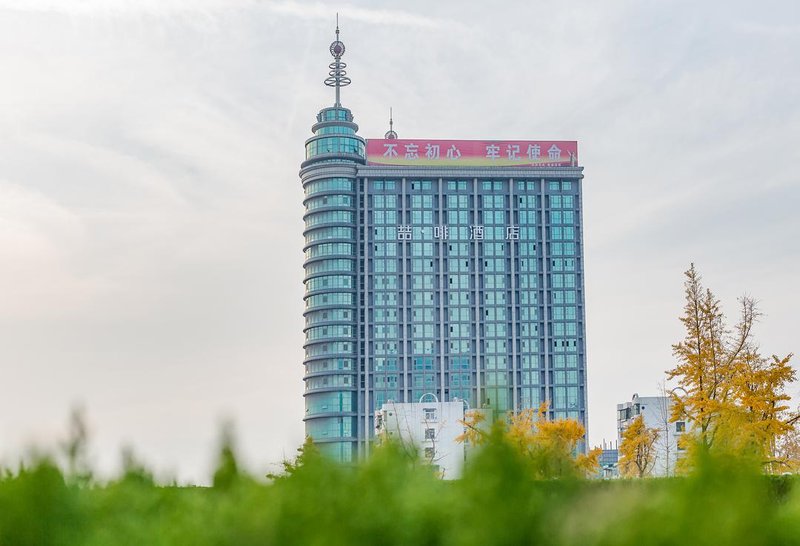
pixel 391 500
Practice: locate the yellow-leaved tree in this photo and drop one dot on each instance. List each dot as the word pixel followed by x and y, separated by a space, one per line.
pixel 732 397
pixel 550 445
pixel 636 451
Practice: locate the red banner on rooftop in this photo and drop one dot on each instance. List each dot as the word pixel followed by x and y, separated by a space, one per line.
pixel 472 153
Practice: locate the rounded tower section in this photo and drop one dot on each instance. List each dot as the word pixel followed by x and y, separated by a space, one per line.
pixel 329 178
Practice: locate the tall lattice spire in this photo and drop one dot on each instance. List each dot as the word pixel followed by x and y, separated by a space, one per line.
pixel 337 76
pixel 390 134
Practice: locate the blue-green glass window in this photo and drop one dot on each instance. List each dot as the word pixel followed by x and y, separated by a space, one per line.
pixel 332 315
pixel 329 233
pixel 334 145
pixel 329 184
pixel 457 217
pixel 457 201
pixel 386 348
pixel 421 185
pixel 327 402
pixel 388 233
pixel 329 201
pixel 528 281
pixel 422 217
pixel 328 249
pixel 329 266
pixel 463 249
pixel 559 397
pixel 562 249
pixel 528 264
pixel 385 364
pixel 333 114
pixel 529 361
pixel 385 299
pixel 322 283
pixel 341 427
pixel 385 249
pixel 456 185
pixel 421 201
pixel 563 296
pixel 321 300
pixel 527 217
pixel 388 266
pixel 422 249
pixel 330 348
pixel 385 315
pixel 385 282
pixel 329 217
pixel 385 331
pixel 316 366
pixel 328 381
pixel 335 130
pixel 384 201
pixel 564 264
pixel 385 217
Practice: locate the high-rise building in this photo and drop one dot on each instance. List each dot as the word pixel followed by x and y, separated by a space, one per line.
pixel 446 267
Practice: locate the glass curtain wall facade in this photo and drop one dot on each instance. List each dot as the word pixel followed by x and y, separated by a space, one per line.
pixel 472 289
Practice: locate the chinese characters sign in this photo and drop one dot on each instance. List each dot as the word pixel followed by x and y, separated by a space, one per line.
pixel 406 233
pixel 473 153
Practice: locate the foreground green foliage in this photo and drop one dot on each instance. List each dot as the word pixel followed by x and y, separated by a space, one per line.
pixel 392 500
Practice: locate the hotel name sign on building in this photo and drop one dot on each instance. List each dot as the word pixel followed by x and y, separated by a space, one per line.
pixel 472 153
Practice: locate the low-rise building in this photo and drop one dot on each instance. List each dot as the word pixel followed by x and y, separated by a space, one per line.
pixel 609 457
pixel 656 412
pixel 430 428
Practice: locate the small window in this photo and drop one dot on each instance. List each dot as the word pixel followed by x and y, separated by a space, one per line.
pixel 680 426
pixel 430 434
pixel 429 453
pixel 430 413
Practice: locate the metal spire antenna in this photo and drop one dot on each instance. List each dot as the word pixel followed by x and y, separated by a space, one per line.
pixel 390 134
pixel 337 76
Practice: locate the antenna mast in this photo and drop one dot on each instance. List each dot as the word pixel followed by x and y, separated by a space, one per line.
pixel 337 76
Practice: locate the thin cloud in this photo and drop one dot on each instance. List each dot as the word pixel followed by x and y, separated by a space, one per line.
pixel 769 30
pixel 327 12
pixel 121 7
pixel 315 11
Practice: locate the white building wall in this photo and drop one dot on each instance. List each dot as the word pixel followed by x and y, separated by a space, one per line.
pixel 430 428
pixel 656 412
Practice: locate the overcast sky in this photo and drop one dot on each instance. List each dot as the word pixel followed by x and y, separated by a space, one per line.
pixel 150 207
